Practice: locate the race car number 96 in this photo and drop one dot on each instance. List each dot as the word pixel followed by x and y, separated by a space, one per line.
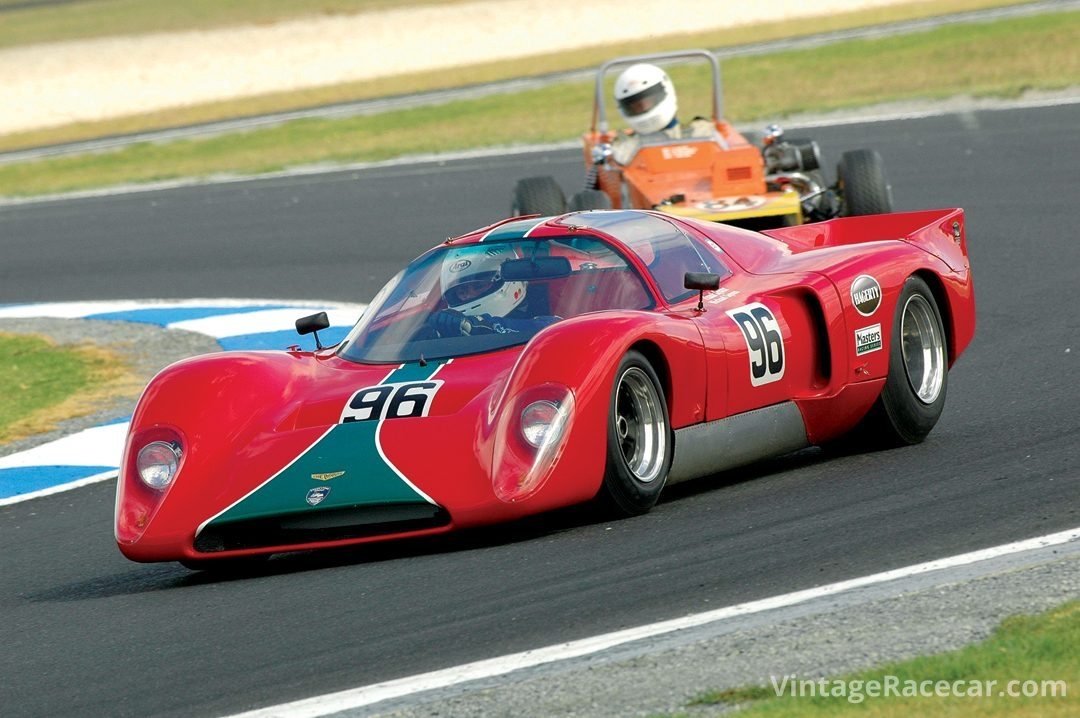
pixel 764 342
pixel 391 401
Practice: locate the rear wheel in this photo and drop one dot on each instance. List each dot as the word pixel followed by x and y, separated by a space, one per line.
pixel 538 195
pixel 861 181
pixel 639 439
pixel 914 393
pixel 589 199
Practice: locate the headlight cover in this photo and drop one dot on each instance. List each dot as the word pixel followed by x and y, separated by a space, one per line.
pixel 542 423
pixel 152 459
pixel 529 439
pixel 157 463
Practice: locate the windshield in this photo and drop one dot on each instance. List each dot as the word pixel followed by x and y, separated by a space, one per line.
pixel 477 298
pixel 668 253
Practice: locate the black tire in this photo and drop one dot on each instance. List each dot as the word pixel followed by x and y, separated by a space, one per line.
pixel 589 199
pixel 538 195
pixel 862 184
pixel 638 426
pixel 221 566
pixel 901 416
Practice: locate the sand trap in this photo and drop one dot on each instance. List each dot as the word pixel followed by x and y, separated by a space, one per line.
pixel 60 83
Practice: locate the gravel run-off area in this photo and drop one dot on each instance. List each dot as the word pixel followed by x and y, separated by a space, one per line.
pixel 145 348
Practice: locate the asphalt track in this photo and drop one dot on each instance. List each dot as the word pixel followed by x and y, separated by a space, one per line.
pixel 84 632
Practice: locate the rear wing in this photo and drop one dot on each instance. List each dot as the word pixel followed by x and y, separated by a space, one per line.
pixel 940 232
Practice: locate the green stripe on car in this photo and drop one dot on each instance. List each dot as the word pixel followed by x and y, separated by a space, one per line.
pixel 345 468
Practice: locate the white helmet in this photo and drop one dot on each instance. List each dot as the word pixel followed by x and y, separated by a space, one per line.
pixel 646 98
pixel 471 282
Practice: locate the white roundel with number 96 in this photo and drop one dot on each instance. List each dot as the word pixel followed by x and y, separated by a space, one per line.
pixel 764 342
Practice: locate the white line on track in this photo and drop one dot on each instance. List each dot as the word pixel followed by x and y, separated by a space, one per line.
pixel 97 446
pixel 268 320
pixel 502 665
pixel 81 310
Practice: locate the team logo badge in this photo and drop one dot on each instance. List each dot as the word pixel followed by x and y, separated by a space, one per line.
pixel 679 152
pixel 316 496
pixel 865 294
pixel 327 477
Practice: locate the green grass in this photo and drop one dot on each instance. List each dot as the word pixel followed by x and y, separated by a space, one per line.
pixel 116 22
pixel 42 383
pixel 98 18
pixel 1040 648
pixel 998 58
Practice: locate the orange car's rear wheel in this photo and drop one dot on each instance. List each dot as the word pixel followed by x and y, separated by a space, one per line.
pixel 861 181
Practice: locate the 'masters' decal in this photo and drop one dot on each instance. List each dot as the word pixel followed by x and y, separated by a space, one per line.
pixel 867 339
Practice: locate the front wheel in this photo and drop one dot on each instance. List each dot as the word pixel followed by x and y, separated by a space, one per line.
pixel 914 393
pixel 639 439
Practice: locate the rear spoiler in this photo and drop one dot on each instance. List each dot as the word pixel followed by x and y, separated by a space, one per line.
pixel 940 232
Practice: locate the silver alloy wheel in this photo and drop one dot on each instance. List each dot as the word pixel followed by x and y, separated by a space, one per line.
pixel 923 348
pixel 639 425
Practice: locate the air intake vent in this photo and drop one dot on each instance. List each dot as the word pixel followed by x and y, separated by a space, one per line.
pixel 324 525
pixel 738 173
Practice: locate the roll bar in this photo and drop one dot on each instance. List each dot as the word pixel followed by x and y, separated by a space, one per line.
pixel 600 116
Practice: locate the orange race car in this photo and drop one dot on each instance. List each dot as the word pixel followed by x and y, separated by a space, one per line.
pixel 706 170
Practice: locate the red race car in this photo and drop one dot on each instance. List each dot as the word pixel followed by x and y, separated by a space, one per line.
pixel 543 362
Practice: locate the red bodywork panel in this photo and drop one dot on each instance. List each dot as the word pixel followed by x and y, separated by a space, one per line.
pixel 243 418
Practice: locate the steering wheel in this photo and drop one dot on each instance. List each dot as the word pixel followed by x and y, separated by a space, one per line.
pixel 452 323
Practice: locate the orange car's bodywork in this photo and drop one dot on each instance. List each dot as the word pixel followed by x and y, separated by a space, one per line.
pixel 719 178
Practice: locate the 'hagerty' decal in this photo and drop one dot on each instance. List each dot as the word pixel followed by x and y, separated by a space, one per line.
pixel 865 294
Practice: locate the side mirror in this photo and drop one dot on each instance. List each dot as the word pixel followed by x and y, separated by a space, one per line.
pixel 701 281
pixel 313 324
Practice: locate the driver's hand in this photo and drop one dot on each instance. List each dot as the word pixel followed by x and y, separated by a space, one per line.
pixel 449 323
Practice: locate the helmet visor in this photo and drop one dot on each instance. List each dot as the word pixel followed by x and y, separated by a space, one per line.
pixel 643 101
pixel 471 288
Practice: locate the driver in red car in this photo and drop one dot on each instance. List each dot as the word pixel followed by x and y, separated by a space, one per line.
pixel 479 300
